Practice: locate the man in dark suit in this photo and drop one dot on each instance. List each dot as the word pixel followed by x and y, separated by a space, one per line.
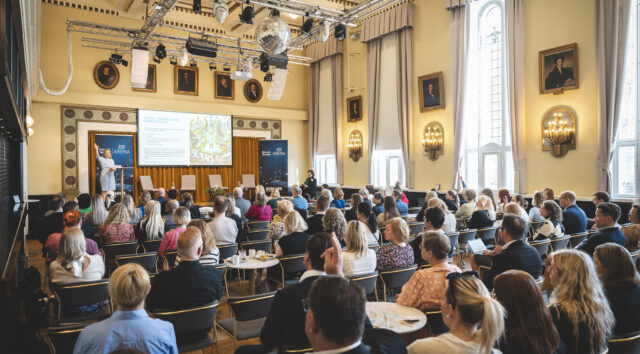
pixel 431 98
pixel 224 86
pixel 559 76
pixel 186 83
pixel 515 254
pixel 607 215
pixel 573 218
pixel 53 222
pixel 315 222
pixel 335 316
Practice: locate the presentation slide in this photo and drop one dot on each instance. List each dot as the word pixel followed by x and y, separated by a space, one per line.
pixel 183 139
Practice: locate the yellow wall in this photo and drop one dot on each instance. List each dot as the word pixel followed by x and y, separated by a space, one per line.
pixel 547 25
pixel 44 152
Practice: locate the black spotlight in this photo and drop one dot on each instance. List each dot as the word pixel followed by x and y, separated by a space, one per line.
pixel 247 15
pixel 125 63
pixel 226 67
pixel 307 26
pixel 173 61
pixel 268 77
pixel 340 31
pixel 194 64
pixel 264 62
pixel 156 59
pixel 197 6
pixel 212 66
pixel 161 53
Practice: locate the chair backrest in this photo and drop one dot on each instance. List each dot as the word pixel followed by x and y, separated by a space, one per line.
pixel 221 269
pixel 146 184
pixel 111 250
pixel 577 238
pixel 227 251
pixel 63 339
pixel 541 246
pixel 302 212
pixel 293 263
pixel 249 180
pixel 258 225
pixel 151 245
pixel 252 307
pixel 374 246
pixel 215 180
pixel 487 234
pixel 465 236
pixel 461 223
pixel 188 182
pixel 625 345
pixel 416 228
pixel 256 245
pixel 367 281
pixel 80 294
pixel 559 243
pixel 170 256
pixel 146 260
pixel 453 238
pixel 634 256
pixel 535 225
pixel 397 277
pixel 257 235
pixel 199 318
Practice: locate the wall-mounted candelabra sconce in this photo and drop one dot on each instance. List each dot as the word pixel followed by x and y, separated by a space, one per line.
pixel 559 131
pixel 433 140
pixel 355 145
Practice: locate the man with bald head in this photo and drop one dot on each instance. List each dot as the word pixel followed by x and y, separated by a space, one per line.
pixel 573 218
pixel 161 195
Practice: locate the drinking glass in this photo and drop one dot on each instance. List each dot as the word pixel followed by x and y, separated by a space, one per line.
pixel 389 316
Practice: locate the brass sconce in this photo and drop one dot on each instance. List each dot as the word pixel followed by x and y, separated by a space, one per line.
pixel 355 145
pixel 433 140
pixel 559 131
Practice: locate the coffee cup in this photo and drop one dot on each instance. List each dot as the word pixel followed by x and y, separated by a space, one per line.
pixel 235 260
pixel 252 253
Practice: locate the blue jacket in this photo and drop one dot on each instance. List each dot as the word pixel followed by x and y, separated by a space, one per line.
pixel 300 203
pixel 379 208
pixel 574 220
pixel 338 203
pixel 403 209
pixel 604 235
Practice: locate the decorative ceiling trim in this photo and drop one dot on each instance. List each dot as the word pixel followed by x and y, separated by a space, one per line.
pixel 73 5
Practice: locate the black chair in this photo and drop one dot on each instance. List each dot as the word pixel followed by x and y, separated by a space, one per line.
pixel 434 320
pixel 559 243
pixel 62 339
pixel 258 225
pixel 248 314
pixel 222 272
pixel 256 245
pixel 487 234
pixel 151 245
pixel 111 250
pixel 74 295
pixel 465 236
pixel 625 345
pixel 634 256
pixel 541 246
pixel 367 281
pixel 304 213
pixel 148 260
pixel 227 251
pixel 577 238
pixel 534 226
pixel 291 264
pixel 170 258
pixel 188 322
pixel 396 277
pixel 415 228
pixel 257 235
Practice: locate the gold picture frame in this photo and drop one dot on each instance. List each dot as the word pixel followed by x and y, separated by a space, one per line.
pixel 251 96
pixel 354 109
pixel 432 86
pixel 222 91
pixel 557 81
pixel 185 80
pixel 152 85
pixel 106 79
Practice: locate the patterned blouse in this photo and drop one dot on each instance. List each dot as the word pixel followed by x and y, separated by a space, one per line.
pixel 276 228
pixel 426 287
pixel 116 233
pixel 394 256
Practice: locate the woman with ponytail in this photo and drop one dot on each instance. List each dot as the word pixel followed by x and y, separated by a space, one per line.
pixel 475 320
pixel 368 217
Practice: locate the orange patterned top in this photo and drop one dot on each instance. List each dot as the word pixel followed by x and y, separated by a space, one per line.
pixel 426 287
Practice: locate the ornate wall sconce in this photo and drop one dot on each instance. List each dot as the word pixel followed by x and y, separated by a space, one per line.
pixel 433 140
pixel 559 131
pixel 355 145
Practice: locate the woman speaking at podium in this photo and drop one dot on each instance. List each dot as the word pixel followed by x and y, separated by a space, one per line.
pixel 107 171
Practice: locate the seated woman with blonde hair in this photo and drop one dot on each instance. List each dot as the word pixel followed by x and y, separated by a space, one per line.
pixel 334 221
pixel 182 217
pixel 295 239
pixel 449 224
pixel 117 227
pixel 210 254
pixel 426 287
pixel 73 264
pixel 358 258
pixel 397 253
pixel 276 226
pixel 259 211
pixel 484 215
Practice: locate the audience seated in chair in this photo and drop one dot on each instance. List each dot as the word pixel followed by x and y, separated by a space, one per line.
pixel 597 198
pixel 151 227
pixel 402 206
pixel 298 201
pixel 351 214
pixel 426 287
pixel 334 222
pixel 621 281
pixel 390 211
pixel 224 229
pixel 259 211
pixel 295 237
pixel 450 223
pixel 433 221
pixel 573 218
pixel 366 215
pixel 135 215
pixel 117 227
pixel 96 217
pixel 403 198
pixel 452 200
pixel 552 226
pixel 338 199
pixel 466 209
pixel 188 202
pixel 607 215
pixel 378 206
pixel 364 193
pixel 160 196
pixel 632 232
pixel 276 226
pixel 130 326
pixel 397 253
pixel 536 203
pixel 170 240
pixel 53 220
pixel 72 220
pixel 231 214
pixel 579 308
pixel 427 197
pixel 274 198
pixel 210 254
pixel 241 203
pixel 169 210
pixel 358 257
pixel 144 198
pixel 84 203
pixel 484 216
pixel 72 263
pixel 315 222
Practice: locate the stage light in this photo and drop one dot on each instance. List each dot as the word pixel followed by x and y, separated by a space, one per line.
pixel 125 63
pixel 197 6
pixel 268 77
pixel 202 47
pixel 161 51
pixel 173 60
pixel 226 67
pixel 340 31
pixel 156 59
pixel 247 15
pixel 117 59
pixel 212 66
pixel 194 64
pixel 220 10
pixel 307 26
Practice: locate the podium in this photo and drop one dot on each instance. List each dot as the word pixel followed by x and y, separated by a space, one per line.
pixel 121 168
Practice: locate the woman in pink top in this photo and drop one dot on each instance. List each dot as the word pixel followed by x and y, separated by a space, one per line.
pixel 426 287
pixel 259 211
pixel 72 220
pixel 181 217
pixel 117 228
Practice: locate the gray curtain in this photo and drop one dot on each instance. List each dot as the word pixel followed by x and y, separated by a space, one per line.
pixel 374 53
pixel 454 4
pixel 404 77
pixel 612 22
pixel 391 20
pixel 314 111
pixel 514 28
pixel 459 51
pixel 336 80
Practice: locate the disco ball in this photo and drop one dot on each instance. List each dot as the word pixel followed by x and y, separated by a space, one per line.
pixel 273 35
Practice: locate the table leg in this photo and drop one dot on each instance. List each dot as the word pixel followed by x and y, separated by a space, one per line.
pixel 252 281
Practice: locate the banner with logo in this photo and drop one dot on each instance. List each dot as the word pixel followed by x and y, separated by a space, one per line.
pixel 122 153
pixel 274 163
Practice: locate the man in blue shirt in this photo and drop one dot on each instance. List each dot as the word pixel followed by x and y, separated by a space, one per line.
pixel 403 208
pixel 573 218
pixel 129 327
pixel 607 215
pixel 298 201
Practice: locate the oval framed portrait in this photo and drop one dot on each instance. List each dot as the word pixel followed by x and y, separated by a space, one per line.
pixel 252 90
pixel 106 75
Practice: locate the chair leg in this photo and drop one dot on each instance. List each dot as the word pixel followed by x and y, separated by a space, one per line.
pixel 215 337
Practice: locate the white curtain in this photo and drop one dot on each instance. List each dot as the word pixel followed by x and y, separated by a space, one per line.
pixel 514 28
pixel 612 22
pixel 404 79
pixel 459 51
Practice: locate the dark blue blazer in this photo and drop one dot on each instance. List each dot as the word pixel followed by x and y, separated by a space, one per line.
pixel 574 220
pixel 624 304
pixel 609 234
pixel 377 209
pixel 518 255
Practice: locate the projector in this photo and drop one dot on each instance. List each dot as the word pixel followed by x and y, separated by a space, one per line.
pixel 241 75
pixel 202 47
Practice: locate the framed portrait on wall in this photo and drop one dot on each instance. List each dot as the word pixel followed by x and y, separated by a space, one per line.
pixel 106 75
pixel 185 80
pixel 224 85
pixel 355 108
pixel 431 92
pixel 558 69
pixel 151 85
pixel 252 90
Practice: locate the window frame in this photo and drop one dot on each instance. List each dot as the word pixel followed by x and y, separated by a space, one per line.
pixel 322 170
pixel 384 157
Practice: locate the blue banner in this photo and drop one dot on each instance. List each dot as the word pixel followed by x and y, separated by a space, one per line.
pixel 274 163
pixel 121 147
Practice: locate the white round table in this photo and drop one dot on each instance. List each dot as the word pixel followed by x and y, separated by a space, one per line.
pixel 406 320
pixel 252 265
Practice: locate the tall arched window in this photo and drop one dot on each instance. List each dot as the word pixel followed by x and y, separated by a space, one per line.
pixel 488 157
